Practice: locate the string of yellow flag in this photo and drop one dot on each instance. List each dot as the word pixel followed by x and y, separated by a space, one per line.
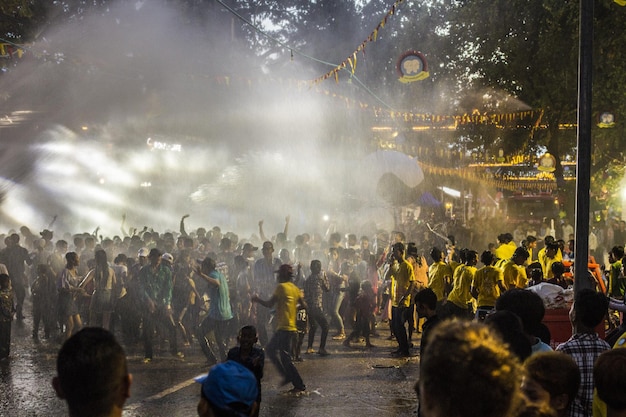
pixel 545 184
pixel 351 61
pixel 8 50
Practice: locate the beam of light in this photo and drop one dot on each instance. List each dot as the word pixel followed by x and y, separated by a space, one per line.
pixel 451 192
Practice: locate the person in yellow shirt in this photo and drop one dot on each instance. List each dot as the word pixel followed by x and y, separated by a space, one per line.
pixel 487 285
pixel 530 244
pixel 514 272
pixel 439 276
pixel 402 284
pixel 460 296
pixel 558 257
pixel 547 259
pixel 609 375
pixel 506 246
pixel 286 298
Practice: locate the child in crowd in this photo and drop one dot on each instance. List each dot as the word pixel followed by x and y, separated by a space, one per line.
pixel 301 324
pixel 558 269
pixel 250 356
pixel 364 305
pixel 551 381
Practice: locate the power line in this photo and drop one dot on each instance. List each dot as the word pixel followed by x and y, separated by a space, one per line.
pixel 300 53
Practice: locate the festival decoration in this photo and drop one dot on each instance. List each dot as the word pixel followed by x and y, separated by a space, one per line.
pixel 607 119
pixel 8 50
pixel 350 62
pixel 412 66
pixel 547 163
pixel 544 182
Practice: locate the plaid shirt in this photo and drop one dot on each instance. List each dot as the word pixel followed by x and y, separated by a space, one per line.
pixel 314 288
pixel 584 348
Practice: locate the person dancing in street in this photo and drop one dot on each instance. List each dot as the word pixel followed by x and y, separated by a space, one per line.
pixel 286 298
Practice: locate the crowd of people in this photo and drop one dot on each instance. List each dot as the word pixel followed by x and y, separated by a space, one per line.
pixel 210 287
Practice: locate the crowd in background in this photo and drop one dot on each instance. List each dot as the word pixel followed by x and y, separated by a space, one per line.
pixel 200 286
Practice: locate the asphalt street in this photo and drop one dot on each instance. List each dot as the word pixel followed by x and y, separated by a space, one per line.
pixel 350 382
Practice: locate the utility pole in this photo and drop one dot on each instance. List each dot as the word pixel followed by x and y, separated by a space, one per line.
pixel 583 159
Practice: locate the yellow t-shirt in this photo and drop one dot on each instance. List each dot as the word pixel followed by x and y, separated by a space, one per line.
pixel 514 275
pixel 461 285
pixel 505 250
pixel 486 282
pixel 436 278
pixel 287 296
pixel 401 278
pixel 599 406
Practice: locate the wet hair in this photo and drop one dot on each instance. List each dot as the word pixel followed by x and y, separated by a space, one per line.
pixel 553 246
pixel 536 274
pixel 527 305
pixel 248 329
pixel 71 259
pixel 4 281
pixel 463 255
pixel 436 254
pixel 316 266
pixel 487 257
pixel 618 252
pixel 399 246
pixel 467 371
pixel 556 372
pixel 225 243
pixel 101 273
pixel 609 376
pixel 240 262
pixel 335 238
pixel 120 258
pixel 91 368
pixel 509 327
pixel 558 268
pixel 470 255
pixel 505 238
pixel 590 307
pixel 521 252
pixel 426 297
pixel 209 263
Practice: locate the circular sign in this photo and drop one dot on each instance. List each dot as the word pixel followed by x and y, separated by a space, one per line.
pixel 412 66
pixel 547 163
pixel 607 120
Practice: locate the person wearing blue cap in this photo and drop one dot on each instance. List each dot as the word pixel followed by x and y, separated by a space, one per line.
pixel 229 390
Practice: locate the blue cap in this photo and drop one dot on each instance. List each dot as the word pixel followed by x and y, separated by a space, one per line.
pixel 228 383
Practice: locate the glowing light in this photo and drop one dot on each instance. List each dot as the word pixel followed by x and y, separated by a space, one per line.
pixel 451 192
pixel 325 217
pixel 164 146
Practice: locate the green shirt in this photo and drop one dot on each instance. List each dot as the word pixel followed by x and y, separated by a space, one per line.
pixel 156 284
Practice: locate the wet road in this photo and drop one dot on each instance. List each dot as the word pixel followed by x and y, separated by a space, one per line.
pixel 349 382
